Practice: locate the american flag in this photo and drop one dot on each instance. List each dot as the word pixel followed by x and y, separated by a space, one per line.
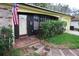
pixel 14 13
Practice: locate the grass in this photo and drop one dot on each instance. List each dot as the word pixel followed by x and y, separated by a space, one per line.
pixel 72 41
pixel 15 52
pixel 19 52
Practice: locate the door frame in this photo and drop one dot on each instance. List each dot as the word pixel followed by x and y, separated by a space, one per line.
pixel 16 27
pixel 29 19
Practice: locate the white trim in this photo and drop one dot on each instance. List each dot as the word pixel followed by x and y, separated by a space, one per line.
pixel 13 32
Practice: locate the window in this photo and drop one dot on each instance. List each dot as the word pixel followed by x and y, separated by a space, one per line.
pixel 36 17
pixel 36 22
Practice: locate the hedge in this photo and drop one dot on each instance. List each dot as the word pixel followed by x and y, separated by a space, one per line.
pixel 51 28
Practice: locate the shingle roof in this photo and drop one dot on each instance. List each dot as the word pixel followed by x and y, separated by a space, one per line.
pixel 75 18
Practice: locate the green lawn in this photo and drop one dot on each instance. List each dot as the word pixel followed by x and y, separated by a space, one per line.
pixel 15 52
pixel 69 40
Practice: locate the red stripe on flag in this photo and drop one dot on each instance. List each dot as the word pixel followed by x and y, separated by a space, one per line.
pixel 15 15
pixel 14 21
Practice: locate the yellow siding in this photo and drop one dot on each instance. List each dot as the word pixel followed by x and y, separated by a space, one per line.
pixel 4 5
pixel 68 20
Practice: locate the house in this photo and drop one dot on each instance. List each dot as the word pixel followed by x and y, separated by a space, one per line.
pixel 75 23
pixel 29 18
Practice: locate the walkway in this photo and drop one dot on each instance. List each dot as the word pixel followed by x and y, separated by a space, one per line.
pixel 32 44
pixel 63 52
pixel 40 49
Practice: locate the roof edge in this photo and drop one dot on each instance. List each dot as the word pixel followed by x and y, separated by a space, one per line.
pixel 45 9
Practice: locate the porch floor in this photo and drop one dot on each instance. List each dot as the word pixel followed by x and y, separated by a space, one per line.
pixel 25 41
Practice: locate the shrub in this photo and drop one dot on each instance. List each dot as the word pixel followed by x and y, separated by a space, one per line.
pixel 51 28
pixel 5 40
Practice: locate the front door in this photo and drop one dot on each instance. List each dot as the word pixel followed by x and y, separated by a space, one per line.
pixel 22 24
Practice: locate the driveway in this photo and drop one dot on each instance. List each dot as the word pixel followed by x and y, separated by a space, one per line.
pixel 74 32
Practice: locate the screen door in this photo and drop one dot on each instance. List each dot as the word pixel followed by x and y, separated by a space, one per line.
pixel 22 24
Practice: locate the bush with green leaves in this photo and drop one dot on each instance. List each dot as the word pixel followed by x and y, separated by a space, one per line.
pixel 5 40
pixel 51 28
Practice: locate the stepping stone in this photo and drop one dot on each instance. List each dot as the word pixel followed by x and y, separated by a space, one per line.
pixel 37 45
pixel 49 53
pixel 40 49
pixel 75 51
pixel 55 52
pixel 61 52
pixel 67 52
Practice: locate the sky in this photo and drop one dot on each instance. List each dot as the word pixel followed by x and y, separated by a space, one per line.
pixel 71 3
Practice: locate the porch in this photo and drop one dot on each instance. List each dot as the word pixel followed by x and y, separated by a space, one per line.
pixel 25 41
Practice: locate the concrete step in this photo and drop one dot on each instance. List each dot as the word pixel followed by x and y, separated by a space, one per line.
pixel 54 52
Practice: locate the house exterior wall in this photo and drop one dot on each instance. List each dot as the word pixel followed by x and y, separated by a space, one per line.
pixel 28 9
pixel 5 15
pixel 68 21
pixel 75 24
pixel 62 17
